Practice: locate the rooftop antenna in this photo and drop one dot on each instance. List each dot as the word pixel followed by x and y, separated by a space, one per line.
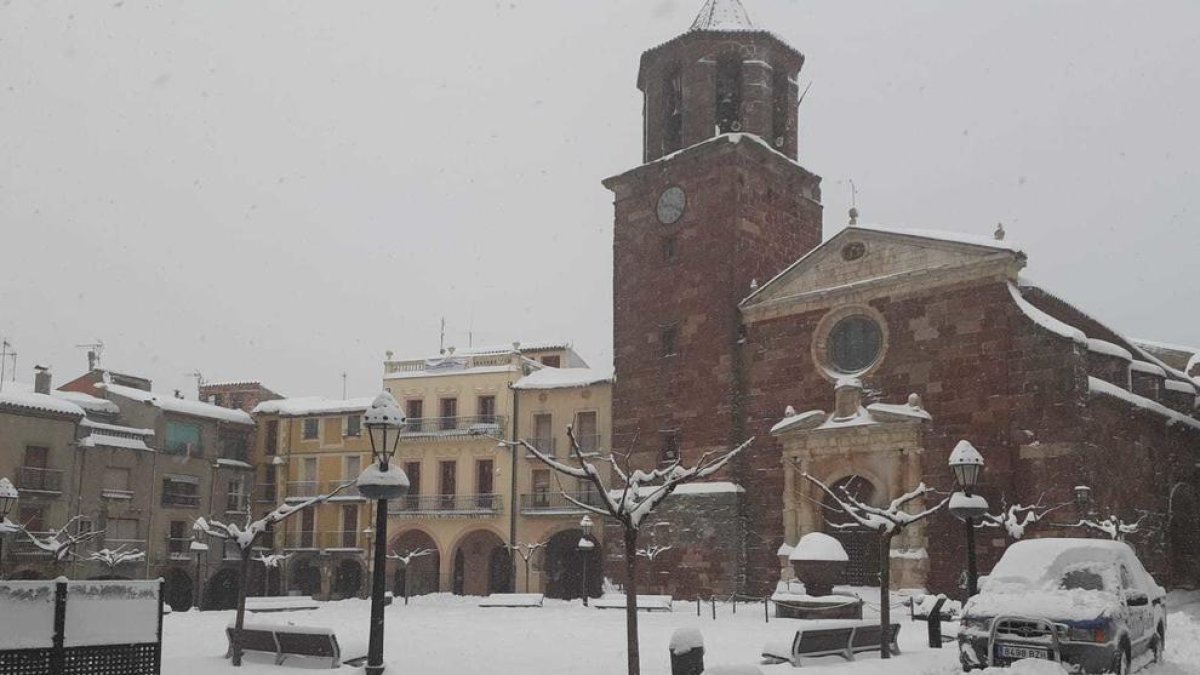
pixel 343 385
pixel 199 380
pixel 95 350
pixel 999 233
pixel 6 351
pixel 853 202
pixel 442 338
pixel 800 99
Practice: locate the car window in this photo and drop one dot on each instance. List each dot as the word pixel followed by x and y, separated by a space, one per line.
pixel 1084 578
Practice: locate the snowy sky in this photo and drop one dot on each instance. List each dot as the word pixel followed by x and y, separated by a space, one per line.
pixel 284 190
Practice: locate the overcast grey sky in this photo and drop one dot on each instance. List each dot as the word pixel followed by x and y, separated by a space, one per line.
pixel 284 190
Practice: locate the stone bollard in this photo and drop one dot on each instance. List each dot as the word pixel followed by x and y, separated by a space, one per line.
pixel 687 652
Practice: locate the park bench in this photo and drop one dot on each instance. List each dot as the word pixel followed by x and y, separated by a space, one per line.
pixel 285 641
pixel 648 603
pixel 512 600
pixel 279 603
pixel 835 640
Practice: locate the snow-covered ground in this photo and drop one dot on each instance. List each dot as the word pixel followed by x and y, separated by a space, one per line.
pixel 447 635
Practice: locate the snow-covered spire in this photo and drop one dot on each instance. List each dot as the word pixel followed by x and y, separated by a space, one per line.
pixel 722 15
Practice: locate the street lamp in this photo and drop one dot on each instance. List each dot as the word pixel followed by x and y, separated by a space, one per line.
pixel 1083 499
pixel 198 548
pixel 8 499
pixel 585 548
pixel 967 464
pixel 381 482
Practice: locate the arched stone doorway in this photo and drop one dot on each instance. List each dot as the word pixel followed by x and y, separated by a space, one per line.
pixel 221 591
pixel 478 568
pixel 1184 536
pixel 861 544
pixel 178 590
pixel 420 576
pixel 305 577
pixel 347 579
pixel 564 567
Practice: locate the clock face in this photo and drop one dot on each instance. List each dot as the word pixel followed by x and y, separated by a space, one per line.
pixel 670 205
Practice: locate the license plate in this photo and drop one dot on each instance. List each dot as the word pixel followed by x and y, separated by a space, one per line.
pixel 1015 652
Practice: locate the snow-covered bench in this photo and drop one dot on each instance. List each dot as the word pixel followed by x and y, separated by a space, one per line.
pixel 512 600
pixel 285 641
pixel 836 639
pixel 280 603
pixel 648 603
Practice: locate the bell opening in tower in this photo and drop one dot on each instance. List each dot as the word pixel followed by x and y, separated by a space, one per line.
pixel 673 109
pixel 729 94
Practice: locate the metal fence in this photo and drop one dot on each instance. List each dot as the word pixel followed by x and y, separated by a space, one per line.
pixel 447 505
pixel 554 502
pixel 483 425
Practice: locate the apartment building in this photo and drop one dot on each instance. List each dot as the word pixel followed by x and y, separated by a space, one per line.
pixel 462 507
pixel 306 447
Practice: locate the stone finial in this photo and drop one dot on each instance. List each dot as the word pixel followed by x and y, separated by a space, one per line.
pixel 754 284
pixel 847 397
pixel 853 215
pixel 999 233
pixel 789 411
pixel 914 401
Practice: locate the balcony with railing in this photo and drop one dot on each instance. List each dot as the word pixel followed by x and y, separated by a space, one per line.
pixel 22 546
pixel 179 498
pixel 588 443
pixel 324 540
pixel 131 545
pixel 266 493
pixel 447 506
pixel 350 492
pixel 546 446
pixel 303 489
pixel 236 503
pixel 35 479
pixel 418 428
pixel 550 503
pixel 448 364
pixel 180 548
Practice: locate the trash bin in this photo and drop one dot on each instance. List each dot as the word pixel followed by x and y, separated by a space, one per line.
pixel 687 652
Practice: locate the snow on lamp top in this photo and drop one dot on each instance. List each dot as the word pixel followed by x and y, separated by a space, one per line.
pixel 7 491
pixel 965 453
pixel 819 546
pixel 384 411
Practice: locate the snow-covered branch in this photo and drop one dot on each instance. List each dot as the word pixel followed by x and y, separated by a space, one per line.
pixel 119 555
pixel 1112 527
pixel 1017 518
pixel 652 552
pixel 273 559
pixel 245 535
pixel 526 551
pixel 883 520
pixel 60 542
pixel 410 556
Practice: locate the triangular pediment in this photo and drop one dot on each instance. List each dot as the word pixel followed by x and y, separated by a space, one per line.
pixel 872 257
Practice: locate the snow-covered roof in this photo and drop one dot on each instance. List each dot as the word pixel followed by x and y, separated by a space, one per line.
pixel 1098 386
pixel 941 235
pixel 16 395
pixel 875 413
pixel 562 378
pixel 1045 320
pixel 120 429
pixel 409 374
pixel 1101 347
pixel 98 440
pixel 234 463
pixel 1166 345
pixel 533 346
pixel 178 405
pixel 311 405
pixel 722 15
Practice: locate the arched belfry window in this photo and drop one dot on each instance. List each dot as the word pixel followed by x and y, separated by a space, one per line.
pixel 729 94
pixel 673 110
pixel 779 109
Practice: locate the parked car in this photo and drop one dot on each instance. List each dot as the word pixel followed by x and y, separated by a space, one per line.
pixel 1087 603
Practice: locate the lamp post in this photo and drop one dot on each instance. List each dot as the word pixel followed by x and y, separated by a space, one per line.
pixel 1083 499
pixel 585 548
pixel 8 499
pixel 381 481
pixel 199 548
pixel 967 464
pixel 370 535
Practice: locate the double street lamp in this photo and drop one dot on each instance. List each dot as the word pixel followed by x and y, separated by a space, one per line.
pixel 967 464
pixel 8 499
pixel 585 549
pixel 381 481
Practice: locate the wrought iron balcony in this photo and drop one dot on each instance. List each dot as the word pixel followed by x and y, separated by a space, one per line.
pixel 180 499
pixel 350 492
pixel 546 446
pixel 554 503
pixel 302 489
pixel 36 479
pixel 180 548
pixel 436 427
pixel 324 540
pixel 447 506
pixel 266 493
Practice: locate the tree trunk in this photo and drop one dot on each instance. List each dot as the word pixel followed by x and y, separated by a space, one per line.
pixel 241 606
pixel 631 619
pixel 885 601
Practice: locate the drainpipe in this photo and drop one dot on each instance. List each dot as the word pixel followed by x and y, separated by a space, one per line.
pixel 512 516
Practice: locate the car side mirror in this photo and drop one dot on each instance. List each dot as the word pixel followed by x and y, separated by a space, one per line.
pixel 1136 599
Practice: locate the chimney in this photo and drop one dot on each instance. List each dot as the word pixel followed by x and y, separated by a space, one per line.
pixel 847 397
pixel 41 380
pixel 92 359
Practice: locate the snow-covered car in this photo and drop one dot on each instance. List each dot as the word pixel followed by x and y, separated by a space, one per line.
pixel 1088 603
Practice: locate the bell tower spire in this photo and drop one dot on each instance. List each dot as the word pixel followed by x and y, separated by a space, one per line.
pixel 724 75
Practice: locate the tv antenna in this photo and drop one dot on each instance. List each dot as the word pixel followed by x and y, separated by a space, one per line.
pixel 6 352
pixel 95 350
pixel 199 380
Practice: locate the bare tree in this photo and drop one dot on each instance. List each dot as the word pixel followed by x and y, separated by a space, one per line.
pixel 404 561
pixel 61 543
pixel 639 494
pixel 526 552
pixel 885 522
pixel 245 536
pixel 653 551
pixel 119 555
pixel 1112 527
pixel 1017 518
pixel 270 560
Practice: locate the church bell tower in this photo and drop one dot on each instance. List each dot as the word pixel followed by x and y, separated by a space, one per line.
pixel 719 203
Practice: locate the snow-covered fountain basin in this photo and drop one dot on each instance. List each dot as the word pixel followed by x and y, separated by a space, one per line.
pixel 819 562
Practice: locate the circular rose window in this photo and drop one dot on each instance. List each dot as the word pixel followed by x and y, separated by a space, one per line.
pixel 854 344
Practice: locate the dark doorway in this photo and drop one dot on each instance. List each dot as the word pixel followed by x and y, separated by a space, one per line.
pixel 347 579
pixel 564 567
pixel 499 571
pixel 862 545
pixel 460 566
pixel 221 591
pixel 420 576
pixel 177 590
pixel 306 578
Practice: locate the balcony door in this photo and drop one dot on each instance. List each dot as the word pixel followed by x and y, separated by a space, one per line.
pixel 447 482
pixel 307 525
pixel 543 433
pixel 484 485
pixel 349 526
pixel 449 413
pixel 586 432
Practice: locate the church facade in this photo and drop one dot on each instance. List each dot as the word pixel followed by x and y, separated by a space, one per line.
pixel 730 315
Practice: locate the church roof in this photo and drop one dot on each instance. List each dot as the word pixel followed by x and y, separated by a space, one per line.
pixel 722 15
